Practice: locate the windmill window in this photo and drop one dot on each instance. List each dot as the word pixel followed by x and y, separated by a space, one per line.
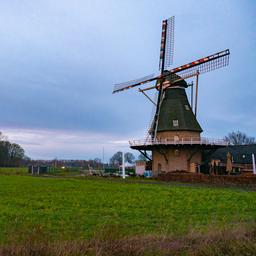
pixel 175 123
pixel 186 107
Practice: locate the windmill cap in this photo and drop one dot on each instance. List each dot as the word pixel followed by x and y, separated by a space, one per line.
pixel 174 79
pixel 176 113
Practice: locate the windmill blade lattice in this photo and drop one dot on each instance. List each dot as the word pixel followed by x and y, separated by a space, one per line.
pixel 203 65
pixel 169 46
pixel 200 66
pixel 133 83
pixel 207 64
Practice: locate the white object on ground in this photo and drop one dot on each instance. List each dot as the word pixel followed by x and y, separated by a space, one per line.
pixel 253 164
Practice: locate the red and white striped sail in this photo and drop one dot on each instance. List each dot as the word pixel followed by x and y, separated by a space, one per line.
pixel 203 65
pixel 169 43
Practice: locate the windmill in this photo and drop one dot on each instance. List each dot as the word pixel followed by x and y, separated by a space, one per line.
pixel 170 86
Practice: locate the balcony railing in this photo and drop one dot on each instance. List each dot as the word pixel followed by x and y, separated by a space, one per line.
pixel 182 141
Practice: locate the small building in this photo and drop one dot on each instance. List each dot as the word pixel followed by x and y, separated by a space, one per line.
pixel 38 169
pixel 241 158
pixel 140 167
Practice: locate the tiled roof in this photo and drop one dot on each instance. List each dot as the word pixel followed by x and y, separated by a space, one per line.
pixel 176 113
pixel 242 154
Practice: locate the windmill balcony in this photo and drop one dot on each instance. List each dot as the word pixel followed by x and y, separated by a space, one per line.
pixel 182 141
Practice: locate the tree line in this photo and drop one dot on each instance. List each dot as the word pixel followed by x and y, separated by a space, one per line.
pixel 11 154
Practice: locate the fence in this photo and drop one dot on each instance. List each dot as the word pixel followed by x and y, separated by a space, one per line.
pixel 182 141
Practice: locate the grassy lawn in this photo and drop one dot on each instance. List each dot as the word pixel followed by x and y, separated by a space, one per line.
pixel 66 208
pixel 61 172
pixel 14 170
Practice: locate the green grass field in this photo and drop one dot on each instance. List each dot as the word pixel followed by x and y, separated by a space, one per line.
pixel 73 209
pixel 14 170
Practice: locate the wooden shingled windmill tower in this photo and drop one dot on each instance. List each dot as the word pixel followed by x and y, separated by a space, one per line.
pixel 174 136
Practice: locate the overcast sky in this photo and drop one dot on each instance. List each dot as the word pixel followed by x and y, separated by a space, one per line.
pixel 60 59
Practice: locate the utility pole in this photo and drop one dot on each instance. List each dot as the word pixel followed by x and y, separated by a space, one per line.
pixel 123 167
pixel 103 158
pixel 192 95
pixel 197 78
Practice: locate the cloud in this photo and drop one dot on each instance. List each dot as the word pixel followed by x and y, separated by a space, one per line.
pixel 49 144
pixel 60 59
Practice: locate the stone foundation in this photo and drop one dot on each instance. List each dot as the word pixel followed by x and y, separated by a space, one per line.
pixel 175 159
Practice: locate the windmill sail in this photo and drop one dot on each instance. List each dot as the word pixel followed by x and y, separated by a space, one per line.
pixel 166 57
pixel 203 65
pixel 133 83
pixel 167 44
pixel 162 45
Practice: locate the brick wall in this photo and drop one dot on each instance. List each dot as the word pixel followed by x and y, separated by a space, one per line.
pixel 209 179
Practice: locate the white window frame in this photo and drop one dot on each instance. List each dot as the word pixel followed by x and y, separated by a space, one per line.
pixel 175 123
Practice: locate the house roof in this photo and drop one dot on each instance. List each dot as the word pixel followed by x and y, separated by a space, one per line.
pixel 241 154
pixel 175 112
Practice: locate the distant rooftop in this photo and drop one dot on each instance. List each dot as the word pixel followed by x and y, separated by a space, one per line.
pixel 241 154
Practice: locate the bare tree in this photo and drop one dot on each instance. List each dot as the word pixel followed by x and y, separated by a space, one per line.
pixel 11 154
pixel 239 138
pixel 3 137
pixel 129 157
pixel 116 159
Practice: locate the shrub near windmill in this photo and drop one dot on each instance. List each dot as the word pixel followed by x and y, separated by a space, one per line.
pixel 175 134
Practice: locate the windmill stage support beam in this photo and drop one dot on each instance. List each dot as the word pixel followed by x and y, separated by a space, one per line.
pixel 197 78
pixel 145 154
pixel 147 96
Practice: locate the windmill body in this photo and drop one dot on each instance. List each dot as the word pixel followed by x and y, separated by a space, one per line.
pixel 174 137
pixel 176 123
